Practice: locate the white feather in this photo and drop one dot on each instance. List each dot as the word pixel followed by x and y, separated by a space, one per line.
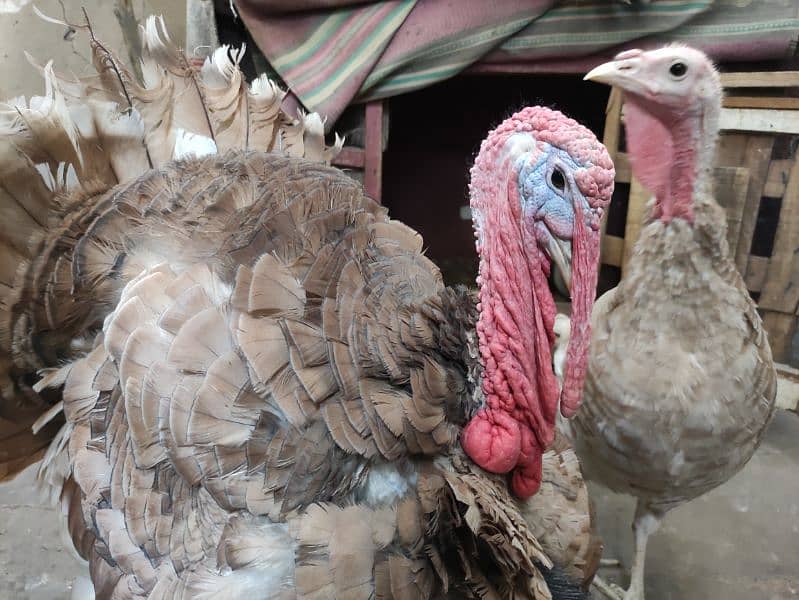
pixel 191 145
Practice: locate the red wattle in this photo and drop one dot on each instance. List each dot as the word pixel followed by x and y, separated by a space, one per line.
pixel 492 440
pixel 526 478
pixel 517 311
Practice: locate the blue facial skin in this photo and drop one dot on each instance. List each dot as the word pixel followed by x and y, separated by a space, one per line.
pixel 547 191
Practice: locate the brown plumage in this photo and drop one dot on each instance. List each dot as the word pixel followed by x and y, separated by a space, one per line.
pixel 681 383
pixel 561 515
pixel 263 378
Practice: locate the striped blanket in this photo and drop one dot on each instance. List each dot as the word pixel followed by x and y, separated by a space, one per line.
pixel 335 52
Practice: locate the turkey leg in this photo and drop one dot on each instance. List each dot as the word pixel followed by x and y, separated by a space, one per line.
pixel 645 524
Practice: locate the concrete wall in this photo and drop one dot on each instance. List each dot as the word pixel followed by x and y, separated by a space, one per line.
pixel 21 30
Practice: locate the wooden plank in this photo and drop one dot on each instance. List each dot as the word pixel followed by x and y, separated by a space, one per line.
pixel 731 185
pixel 610 139
pixel 787 387
pixel 777 178
pixel 781 291
pixel 752 152
pixel 623 170
pixel 756 273
pixel 731 149
pixel 781 329
pixel 781 102
pixel 350 156
pixel 612 250
pixel 636 209
pixel 612 133
pixel 760 79
pixel 373 160
pixel 757 119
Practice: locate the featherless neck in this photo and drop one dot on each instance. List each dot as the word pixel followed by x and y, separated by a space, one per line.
pixel 672 154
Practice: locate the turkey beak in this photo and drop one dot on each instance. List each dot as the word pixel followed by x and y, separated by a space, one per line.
pixel 560 252
pixel 624 72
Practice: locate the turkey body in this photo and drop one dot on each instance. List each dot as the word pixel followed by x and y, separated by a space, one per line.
pixel 697 388
pixel 267 389
pixel 274 410
pixel 681 384
pixel 222 401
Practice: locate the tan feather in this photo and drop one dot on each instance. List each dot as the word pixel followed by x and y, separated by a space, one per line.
pixel 273 288
pixel 308 341
pixel 216 417
pixel 187 303
pixel 200 341
pixel 263 343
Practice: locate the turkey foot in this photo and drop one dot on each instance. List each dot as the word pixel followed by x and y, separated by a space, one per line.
pixel 608 590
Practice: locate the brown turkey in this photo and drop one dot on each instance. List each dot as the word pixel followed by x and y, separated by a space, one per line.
pixel 263 379
pixel 681 383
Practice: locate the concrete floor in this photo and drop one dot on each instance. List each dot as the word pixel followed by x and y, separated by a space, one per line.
pixel 740 542
pixel 35 563
pixel 22 31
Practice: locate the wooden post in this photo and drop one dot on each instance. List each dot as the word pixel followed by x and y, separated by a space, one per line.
pixel 636 209
pixel 201 34
pixel 752 152
pixel 610 139
pixel 373 150
pixel 781 329
pixel 781 291
pixel 129 24
pixel 731 186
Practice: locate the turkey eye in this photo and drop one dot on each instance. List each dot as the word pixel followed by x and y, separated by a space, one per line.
pixel 557 180
pixel 678 69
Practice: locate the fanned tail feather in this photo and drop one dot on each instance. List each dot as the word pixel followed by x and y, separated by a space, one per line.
pixel 60 153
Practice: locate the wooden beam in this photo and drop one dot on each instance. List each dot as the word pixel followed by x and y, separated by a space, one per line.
pixel 636 208
pixel 752 152
pixel 373 162
pixel 777 178
pixel 779 103
pixel 760 79
pixel 612 250
pixel 610 139
pixel 623 171
pixel 730 186
pixel 612 133
pixel 781 290
pixel 781 329
pixel 756 273
pixel 756 119
pixel 350 156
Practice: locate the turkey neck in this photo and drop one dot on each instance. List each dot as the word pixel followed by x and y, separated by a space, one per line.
pixel 684 237
pixel 671 152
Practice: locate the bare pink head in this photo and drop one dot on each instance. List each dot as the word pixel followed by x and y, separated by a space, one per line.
pixel 539 186
pixel 672 105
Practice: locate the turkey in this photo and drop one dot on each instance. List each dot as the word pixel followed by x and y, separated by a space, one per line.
pixel 267 389
pixel 681 384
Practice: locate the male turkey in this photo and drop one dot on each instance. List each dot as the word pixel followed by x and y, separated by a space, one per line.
pixel 264 380
pixel 681 384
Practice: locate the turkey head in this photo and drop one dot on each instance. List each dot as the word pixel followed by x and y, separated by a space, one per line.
pixel 671 110
pixel 538 190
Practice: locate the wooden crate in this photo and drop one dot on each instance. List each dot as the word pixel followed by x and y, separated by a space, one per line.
pixel 757 175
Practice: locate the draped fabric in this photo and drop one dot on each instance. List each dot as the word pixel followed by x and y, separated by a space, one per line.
pixel 335 52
